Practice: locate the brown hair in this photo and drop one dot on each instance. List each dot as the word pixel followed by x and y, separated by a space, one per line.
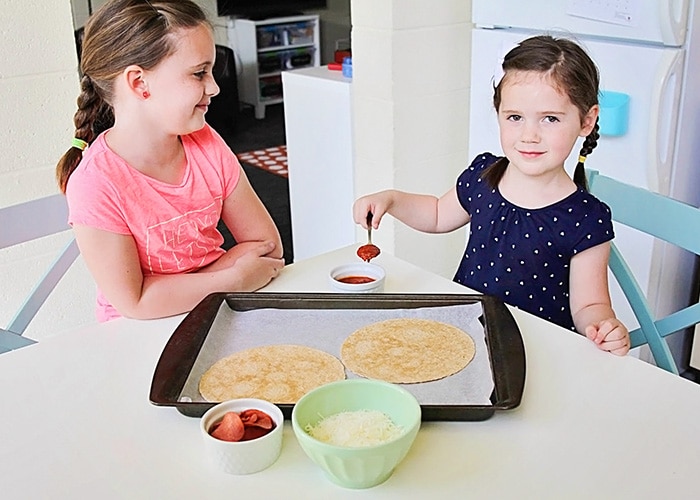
pixel 117 35
pixel 571 70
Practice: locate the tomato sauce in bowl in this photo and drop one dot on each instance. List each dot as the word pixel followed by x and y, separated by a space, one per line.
pixel 357 277
pixel 355 280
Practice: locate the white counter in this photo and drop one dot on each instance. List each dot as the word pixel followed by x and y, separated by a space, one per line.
pixel 317 114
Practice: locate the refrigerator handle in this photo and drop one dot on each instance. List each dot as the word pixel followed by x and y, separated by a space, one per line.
pixel 665 104
pixel 673 21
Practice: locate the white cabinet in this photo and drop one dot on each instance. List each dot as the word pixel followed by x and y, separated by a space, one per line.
pixel 318 126
pixel 266 48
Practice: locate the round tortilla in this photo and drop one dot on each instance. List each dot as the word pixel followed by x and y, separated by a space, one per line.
pixel 277 373
pixel 407 350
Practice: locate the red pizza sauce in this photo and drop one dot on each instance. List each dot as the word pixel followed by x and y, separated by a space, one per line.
pixel 355 280
pixel 368 252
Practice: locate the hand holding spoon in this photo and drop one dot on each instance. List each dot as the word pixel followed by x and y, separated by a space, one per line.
pixel 369 251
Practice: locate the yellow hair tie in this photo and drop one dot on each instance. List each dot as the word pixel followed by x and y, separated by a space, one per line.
pixel 581 159
pixel 79 143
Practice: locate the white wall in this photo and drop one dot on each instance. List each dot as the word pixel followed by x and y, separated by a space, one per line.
pixel 38 87
pixel 410 112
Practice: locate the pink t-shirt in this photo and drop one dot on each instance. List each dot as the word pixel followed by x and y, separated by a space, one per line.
pixel 174 226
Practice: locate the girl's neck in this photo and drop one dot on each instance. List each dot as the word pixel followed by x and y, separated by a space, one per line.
pixel 534 192
pixel 160 157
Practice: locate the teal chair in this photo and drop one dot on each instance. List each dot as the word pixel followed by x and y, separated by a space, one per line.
pixel 663 218
pixel 26 222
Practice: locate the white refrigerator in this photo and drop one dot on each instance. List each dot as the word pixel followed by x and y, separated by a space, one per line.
pixel 647 50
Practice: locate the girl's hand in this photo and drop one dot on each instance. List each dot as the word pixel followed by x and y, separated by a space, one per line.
pixel 254 269
pixel 610 335
pixel 235 252
pixel 377 203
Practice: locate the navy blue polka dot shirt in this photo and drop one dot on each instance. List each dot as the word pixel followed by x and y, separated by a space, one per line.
pixel 523 255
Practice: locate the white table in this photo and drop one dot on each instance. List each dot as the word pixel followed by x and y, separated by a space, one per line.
pixel 77 422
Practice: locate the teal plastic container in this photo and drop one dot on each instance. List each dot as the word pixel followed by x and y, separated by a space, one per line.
pixel 614 113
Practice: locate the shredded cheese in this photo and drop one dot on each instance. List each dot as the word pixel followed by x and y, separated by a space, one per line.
pixel 355 429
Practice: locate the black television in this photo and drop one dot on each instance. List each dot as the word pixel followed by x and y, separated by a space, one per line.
pixel 262 9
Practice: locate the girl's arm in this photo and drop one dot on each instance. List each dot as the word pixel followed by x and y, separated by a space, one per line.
pixel 590 301
pixel 114 263
pixel 249 223
pixel 425 213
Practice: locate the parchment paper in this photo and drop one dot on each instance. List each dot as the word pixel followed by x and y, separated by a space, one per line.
pixel 326 329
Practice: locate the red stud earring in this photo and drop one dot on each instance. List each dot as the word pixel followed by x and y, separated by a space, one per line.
pixel 146 94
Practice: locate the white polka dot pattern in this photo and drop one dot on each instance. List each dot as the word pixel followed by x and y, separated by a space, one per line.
pixel 523 255
pixel 273 160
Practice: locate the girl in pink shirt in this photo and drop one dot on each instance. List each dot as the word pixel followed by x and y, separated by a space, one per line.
pixel 146 196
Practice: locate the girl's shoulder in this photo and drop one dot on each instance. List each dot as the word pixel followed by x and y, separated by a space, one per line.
pixel 483 161
pixel 206 146
pixel 477 167
pixel 205 136
pixel 592 203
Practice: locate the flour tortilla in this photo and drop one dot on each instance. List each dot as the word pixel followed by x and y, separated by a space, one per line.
pixel 407 350
pixel 276 373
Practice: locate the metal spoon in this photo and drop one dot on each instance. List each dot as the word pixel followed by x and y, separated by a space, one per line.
pixel 369 251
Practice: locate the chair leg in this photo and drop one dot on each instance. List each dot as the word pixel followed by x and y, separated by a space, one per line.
pixel 10 341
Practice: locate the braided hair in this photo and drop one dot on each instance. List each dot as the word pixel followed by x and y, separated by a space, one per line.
pixel 571 70
pixel 119 34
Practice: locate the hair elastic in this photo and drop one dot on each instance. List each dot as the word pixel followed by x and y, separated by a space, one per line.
pixel 79 143
pixel 581 159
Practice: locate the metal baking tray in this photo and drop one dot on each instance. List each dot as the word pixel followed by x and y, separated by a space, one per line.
pixel 503 343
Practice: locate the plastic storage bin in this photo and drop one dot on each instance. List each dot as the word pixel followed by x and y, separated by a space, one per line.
pixel 271 87
pixel 280 35
pixel 300 33
pixel 272 62
pixel 269 36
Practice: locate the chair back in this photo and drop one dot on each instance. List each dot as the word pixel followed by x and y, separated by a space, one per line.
pixel 663 218
pixel 26 222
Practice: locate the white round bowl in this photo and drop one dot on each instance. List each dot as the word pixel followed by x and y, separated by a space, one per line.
pixel 373 271
pixel 243 457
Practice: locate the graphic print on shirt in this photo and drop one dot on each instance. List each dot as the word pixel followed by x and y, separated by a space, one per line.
pixel 184 240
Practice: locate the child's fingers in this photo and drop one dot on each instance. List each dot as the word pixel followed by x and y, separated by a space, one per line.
pixel 359 211
pixel 598 333
pixel 616 341
pixel 591 332
pixel 619 347
pixel 265 248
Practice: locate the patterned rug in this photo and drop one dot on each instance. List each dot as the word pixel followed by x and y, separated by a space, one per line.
pixel 273 160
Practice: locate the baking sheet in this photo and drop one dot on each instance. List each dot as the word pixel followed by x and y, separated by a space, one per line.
pixel 326 329
pixel 188 354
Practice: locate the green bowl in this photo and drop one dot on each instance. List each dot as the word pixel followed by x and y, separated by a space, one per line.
pixel 361 467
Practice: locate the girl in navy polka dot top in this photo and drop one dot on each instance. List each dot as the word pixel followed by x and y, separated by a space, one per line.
pixel 537 238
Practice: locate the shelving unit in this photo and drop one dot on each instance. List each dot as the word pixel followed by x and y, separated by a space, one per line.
pixel 266 48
